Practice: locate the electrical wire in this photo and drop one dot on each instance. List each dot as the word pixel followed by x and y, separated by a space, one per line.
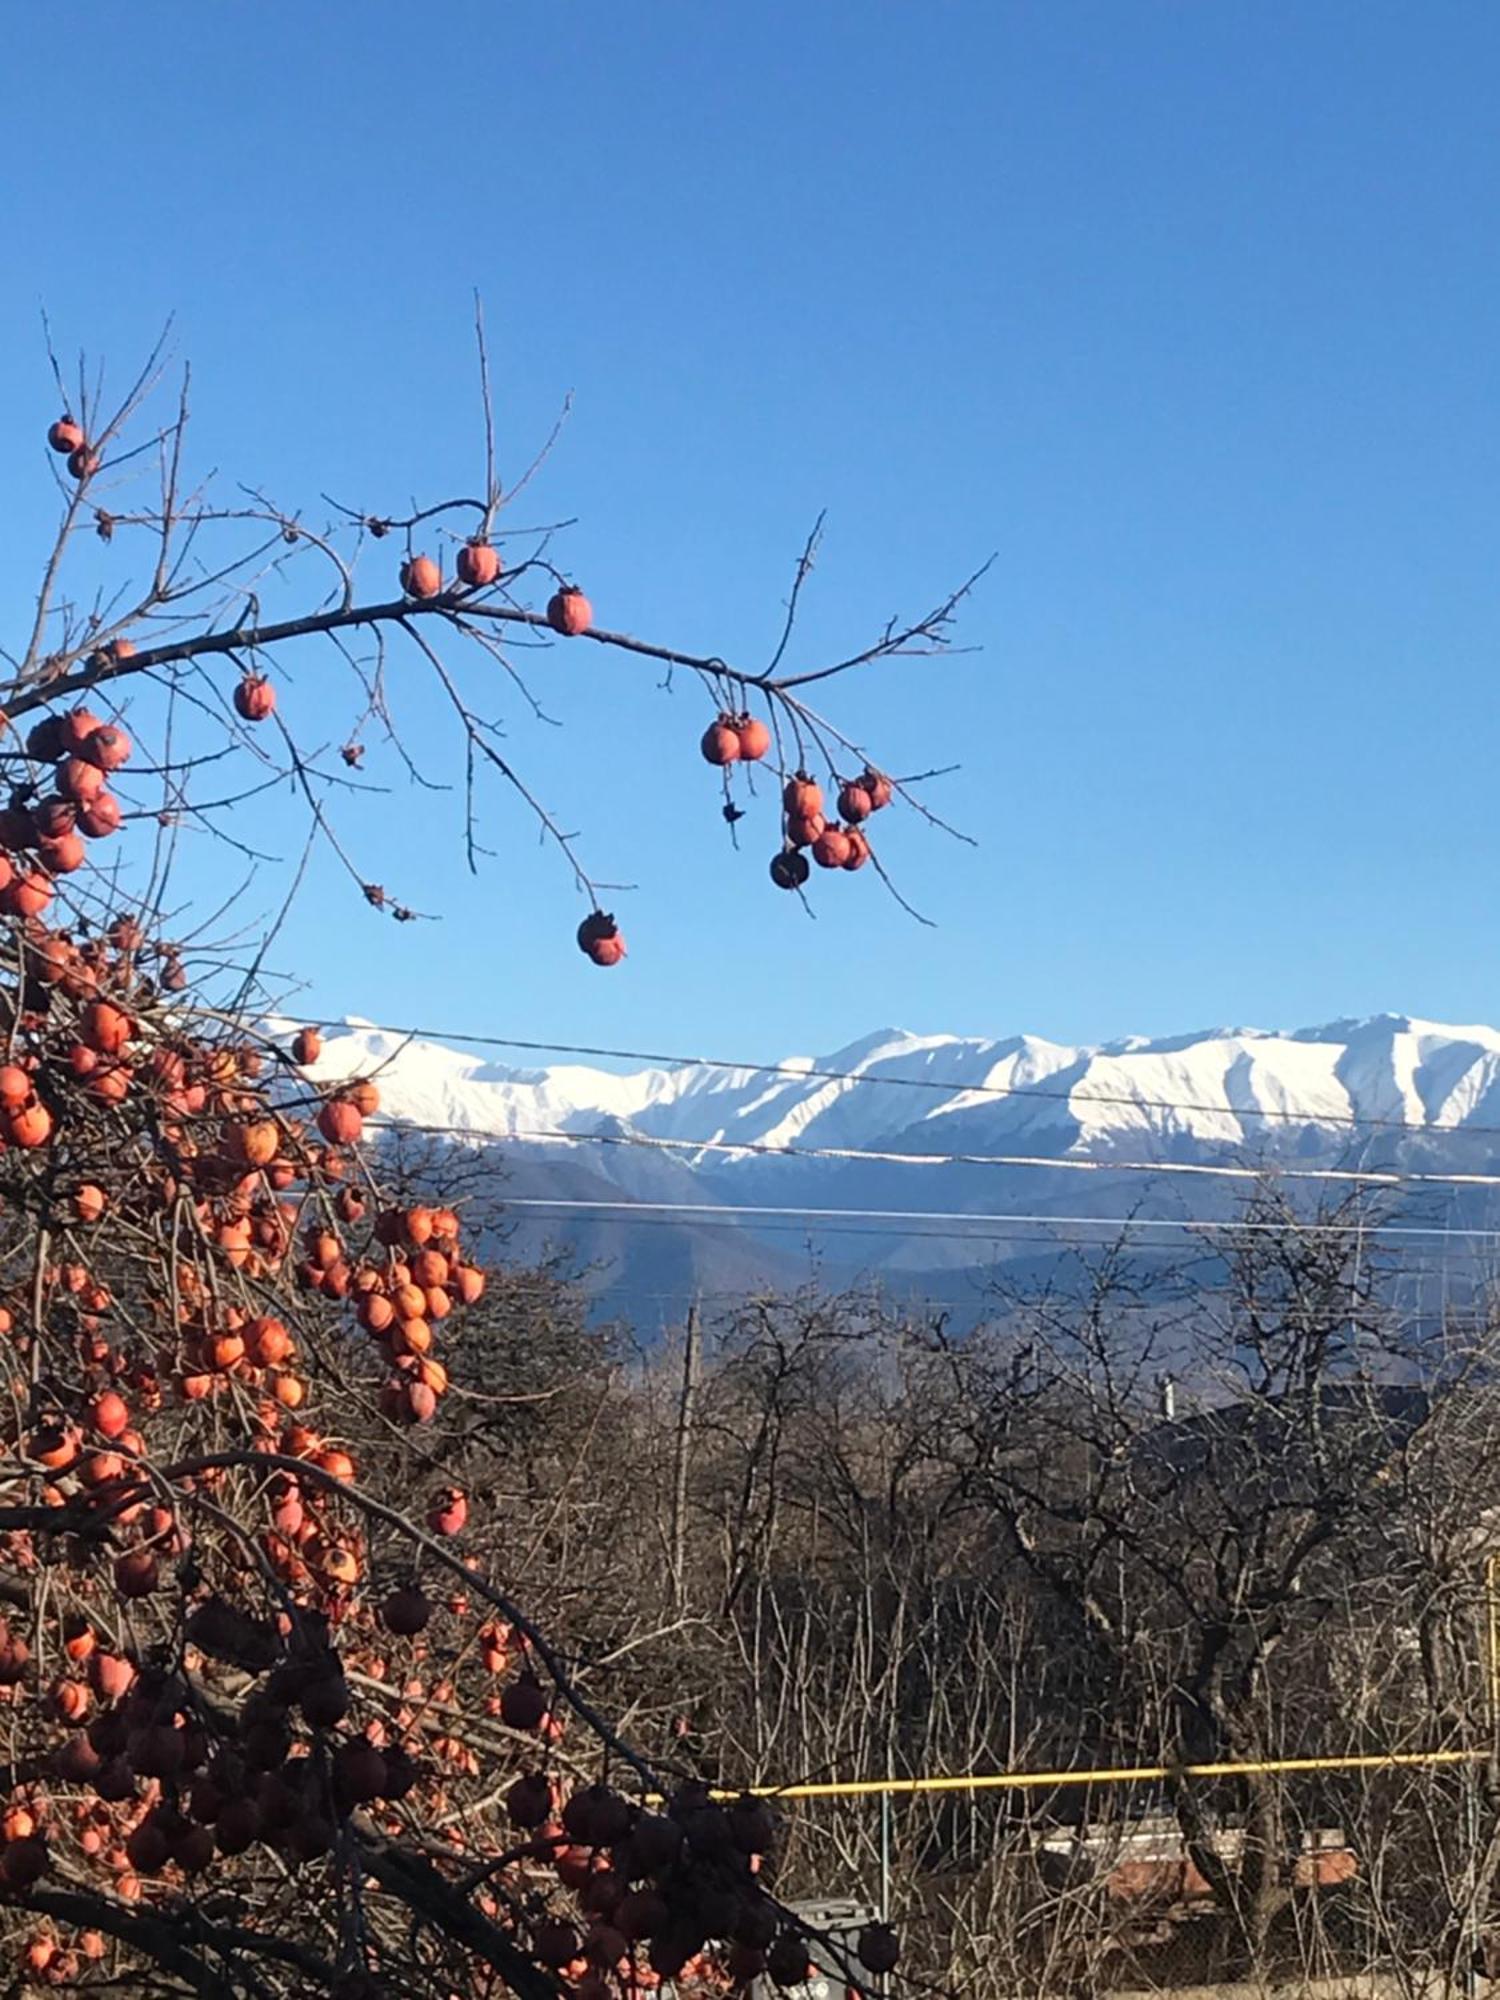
pixel 1354 1176
pixel 723 1214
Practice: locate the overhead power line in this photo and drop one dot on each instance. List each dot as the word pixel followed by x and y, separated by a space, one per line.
pixel 1039 1162
pixel 946 1087
pixel 712 1213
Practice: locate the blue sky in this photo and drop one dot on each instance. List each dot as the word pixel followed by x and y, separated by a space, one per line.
pixel 1189 313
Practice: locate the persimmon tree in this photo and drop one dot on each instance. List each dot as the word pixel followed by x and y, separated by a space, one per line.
pixel 270 1726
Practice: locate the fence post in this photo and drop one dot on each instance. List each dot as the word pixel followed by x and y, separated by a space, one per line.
pixel 885 1875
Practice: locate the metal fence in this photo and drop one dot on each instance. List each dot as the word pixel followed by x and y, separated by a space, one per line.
pixel 1367 1873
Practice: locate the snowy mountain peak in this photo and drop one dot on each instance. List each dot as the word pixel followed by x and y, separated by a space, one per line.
pixel 1250 1090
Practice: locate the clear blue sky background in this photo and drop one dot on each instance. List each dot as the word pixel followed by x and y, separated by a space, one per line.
pixel 1192 313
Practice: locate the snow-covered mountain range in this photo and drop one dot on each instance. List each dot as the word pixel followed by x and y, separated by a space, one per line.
pixel 577 1144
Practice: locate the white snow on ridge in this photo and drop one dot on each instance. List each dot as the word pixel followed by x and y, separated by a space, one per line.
pixel 1201 1090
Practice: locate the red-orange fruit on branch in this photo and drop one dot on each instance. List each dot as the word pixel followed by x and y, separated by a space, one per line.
pixel 855 803
pixel 108 747
pixel 421 577
pixel 109 1414
pixel 599 939
pixel 478 565
pixel 63 855
pixel 569 611
pixel 801 797
pixel 254 698
pixel 100 816
pixel 28 895
pixel 29 1127
pixel 755 738
pixel 80 779
pixel 254 1142
pixel 105 1027
pixel 136 1573
pixel 720 743
pixel 831 849
pixel 89 1202
pixel 83 461
pixel 341 1122
pixel 448 1512
pixel 307 1046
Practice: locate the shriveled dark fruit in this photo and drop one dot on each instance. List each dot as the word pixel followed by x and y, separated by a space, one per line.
pixel 76 1760
pixel 879 1948
pixel 745 1963
pixel 751 1826
pixel 406 1612
pixel 23 1862
pixel 325 1699
pixel 401 1772
pixel 53 817
pixel 755 1923
pixel 790 869
pixel 529 1800
pixel 148 1848
pixel 787 1960
pixel 643 1913
pixel 599 939
pixel 605 1946
pixel 237 1826
pixel 596 1816
pixel 555 1942
pixel 655 1842
pixel 600 1894
pixel 136 1573
pixel 523 1703
pixel 45 740
pixel 358 1771
pixel 193 1849
pixel 596 925
pixel 671 1951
